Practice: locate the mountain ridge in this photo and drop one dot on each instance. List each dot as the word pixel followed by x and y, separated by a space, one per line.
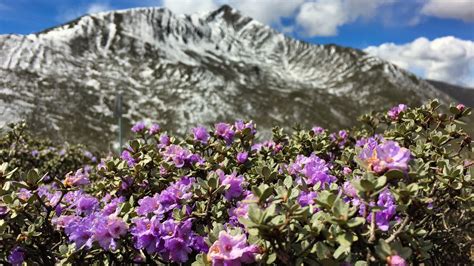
pixel 183 70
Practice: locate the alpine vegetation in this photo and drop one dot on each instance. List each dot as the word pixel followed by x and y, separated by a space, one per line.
pixel 397 189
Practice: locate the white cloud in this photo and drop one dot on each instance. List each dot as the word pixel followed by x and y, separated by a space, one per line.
pixel 98 7
pixel 67 14
pixel 190 6
pixel 267 11
pixel 446 59
pixel 324 17
pixel 456 9
pixel 312 17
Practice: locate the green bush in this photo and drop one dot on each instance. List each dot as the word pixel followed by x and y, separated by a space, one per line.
pixel 396 190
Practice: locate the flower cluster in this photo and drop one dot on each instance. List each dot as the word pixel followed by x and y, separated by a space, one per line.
pixel 312 169
pixel 181 157
pixel 157 232
pixel 220 197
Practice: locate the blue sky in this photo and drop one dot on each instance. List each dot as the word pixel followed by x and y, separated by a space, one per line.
pixel 433 38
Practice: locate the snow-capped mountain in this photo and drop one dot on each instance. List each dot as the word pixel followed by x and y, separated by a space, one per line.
pixel 182 70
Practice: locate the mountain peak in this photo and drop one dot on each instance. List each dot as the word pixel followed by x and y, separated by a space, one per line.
pixel 182 70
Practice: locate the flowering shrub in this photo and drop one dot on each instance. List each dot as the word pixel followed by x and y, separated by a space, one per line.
pixel 396 190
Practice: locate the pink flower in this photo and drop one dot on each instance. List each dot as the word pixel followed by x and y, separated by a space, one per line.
pixel 396 260
pixel 460 107
pixel 386 156
pixel 231 250
pixel 395 112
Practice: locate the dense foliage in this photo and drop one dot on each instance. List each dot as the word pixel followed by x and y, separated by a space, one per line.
pixel 397 190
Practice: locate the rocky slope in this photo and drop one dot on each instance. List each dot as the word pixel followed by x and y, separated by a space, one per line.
pixel 184 70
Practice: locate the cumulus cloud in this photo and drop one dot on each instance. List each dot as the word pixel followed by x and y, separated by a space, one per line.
pixel 312 17
pixel 267 11
pixel 446 59
pixel 72 13
pixel 190 6
pixel 455 9
pixel 98 7
pixel 324 17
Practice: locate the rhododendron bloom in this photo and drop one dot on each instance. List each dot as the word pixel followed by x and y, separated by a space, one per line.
pixel 138 127
pixel 386 156
pixel 231 250
pixel 233 181
pixel 127 156
pixel 313 169
pixel 306 198
pixel 317 130
pixel 395 112
pixel 460 107
pixel 242 157
pixel 17 256
pixel 79 178
pixel 224 131
pixel 200 134
pixel 396 260
pixel 154 129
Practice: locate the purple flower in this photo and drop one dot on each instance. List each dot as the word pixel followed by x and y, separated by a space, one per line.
pixel 181 156
pixel 395 112
pixel 242 208
pixel 306 198
pixel 201 134
pixel 371 142
pixel 386 156
pixel 3 211
pixel 269 144
pixel 231 250
pixel 86 204
pixel 317 130
pixel 17 256
pixel 347 171
pixel 178 250
pixel 24 194
pixel 34 153
pixel 386 202
pixel 145 233
pixel 112 206
pixel 242 157
pixel 116 227
pixel 147 205
pixel 79 178
pixel 138 127
pixel 127 156
pixel 154 129
pixel 80 232
pixel 340 138
pixel 172 196
pixel 234 182
pixel 224 131
pixel 313 169
pixel 349 189
pixel 164 141
pixel 199 244
pixel 241 126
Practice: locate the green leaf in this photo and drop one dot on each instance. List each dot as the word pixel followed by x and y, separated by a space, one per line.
pixel 395 174
pixel 367 185
pixel 354 222
pixel 266 193
pixel 383 249
pixel 340 251
pixel 288 182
